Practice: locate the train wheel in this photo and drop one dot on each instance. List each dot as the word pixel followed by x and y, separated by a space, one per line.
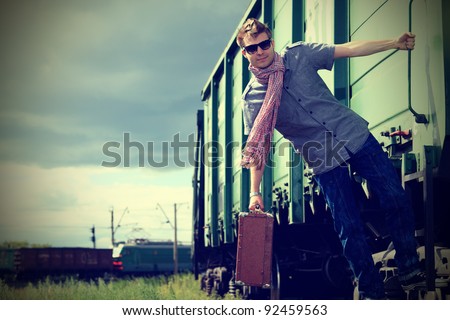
pixel 275 289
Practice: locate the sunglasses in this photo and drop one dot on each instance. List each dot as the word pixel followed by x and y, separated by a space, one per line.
pixel 264 45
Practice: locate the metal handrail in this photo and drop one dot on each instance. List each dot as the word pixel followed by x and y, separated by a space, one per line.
pixel 420 118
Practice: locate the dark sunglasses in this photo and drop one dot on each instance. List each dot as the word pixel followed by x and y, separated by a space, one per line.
pixel 264 45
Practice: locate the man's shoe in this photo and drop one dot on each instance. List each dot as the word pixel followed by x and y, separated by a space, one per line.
pixel 419 281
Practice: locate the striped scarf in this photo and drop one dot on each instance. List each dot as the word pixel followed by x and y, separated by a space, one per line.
pixel 259 140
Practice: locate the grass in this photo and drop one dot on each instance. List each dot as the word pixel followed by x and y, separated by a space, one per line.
pixel 179 287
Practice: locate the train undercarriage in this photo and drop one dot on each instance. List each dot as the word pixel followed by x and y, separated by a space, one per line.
pixel 308 261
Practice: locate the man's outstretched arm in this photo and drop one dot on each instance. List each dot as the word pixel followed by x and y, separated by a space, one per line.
pixel 364 48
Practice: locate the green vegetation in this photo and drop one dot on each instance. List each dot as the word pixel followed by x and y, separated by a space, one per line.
pixel 179 287
pixel 22 244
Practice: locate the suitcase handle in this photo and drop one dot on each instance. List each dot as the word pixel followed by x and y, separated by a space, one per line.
pixel 257 209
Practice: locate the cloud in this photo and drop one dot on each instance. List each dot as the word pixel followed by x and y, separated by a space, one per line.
pixel 81 73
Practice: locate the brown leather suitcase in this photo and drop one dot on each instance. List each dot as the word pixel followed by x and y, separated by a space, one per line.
pixel 254 250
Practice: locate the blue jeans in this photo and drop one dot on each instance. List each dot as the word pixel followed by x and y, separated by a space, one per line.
pixel 371 163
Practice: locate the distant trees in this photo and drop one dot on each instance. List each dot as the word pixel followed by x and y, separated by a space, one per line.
pixel 21 244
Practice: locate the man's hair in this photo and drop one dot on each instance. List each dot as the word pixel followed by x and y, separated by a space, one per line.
pixel 251 28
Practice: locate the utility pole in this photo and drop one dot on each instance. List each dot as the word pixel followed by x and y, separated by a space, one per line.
pixel 175 238
pixel 175 244
pixel 112 227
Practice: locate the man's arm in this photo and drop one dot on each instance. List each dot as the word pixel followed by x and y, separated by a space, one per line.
pixel 365 48
pixel 255 182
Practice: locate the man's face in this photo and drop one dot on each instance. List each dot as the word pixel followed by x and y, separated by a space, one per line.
pixel 260 58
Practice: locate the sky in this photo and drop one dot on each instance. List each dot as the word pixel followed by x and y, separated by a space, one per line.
pixel 98 102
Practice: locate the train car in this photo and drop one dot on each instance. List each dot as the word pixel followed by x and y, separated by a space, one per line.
pixel 404 97
pixel 150 258
pixel 37 263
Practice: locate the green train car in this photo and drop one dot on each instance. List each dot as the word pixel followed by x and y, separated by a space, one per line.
pixel 405 98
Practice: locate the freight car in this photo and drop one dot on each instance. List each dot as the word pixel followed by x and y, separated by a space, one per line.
pixel 404 97
pixel 138 258
pixel 7 269
pixel 39 263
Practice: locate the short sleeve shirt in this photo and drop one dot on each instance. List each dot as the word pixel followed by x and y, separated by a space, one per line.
pixel 322 129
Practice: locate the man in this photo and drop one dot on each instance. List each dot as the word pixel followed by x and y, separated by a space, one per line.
pixel 286 93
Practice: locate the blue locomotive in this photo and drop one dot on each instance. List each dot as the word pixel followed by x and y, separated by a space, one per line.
pixel 143 257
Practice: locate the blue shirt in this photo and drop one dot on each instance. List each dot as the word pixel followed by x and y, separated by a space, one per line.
pixel 322 129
